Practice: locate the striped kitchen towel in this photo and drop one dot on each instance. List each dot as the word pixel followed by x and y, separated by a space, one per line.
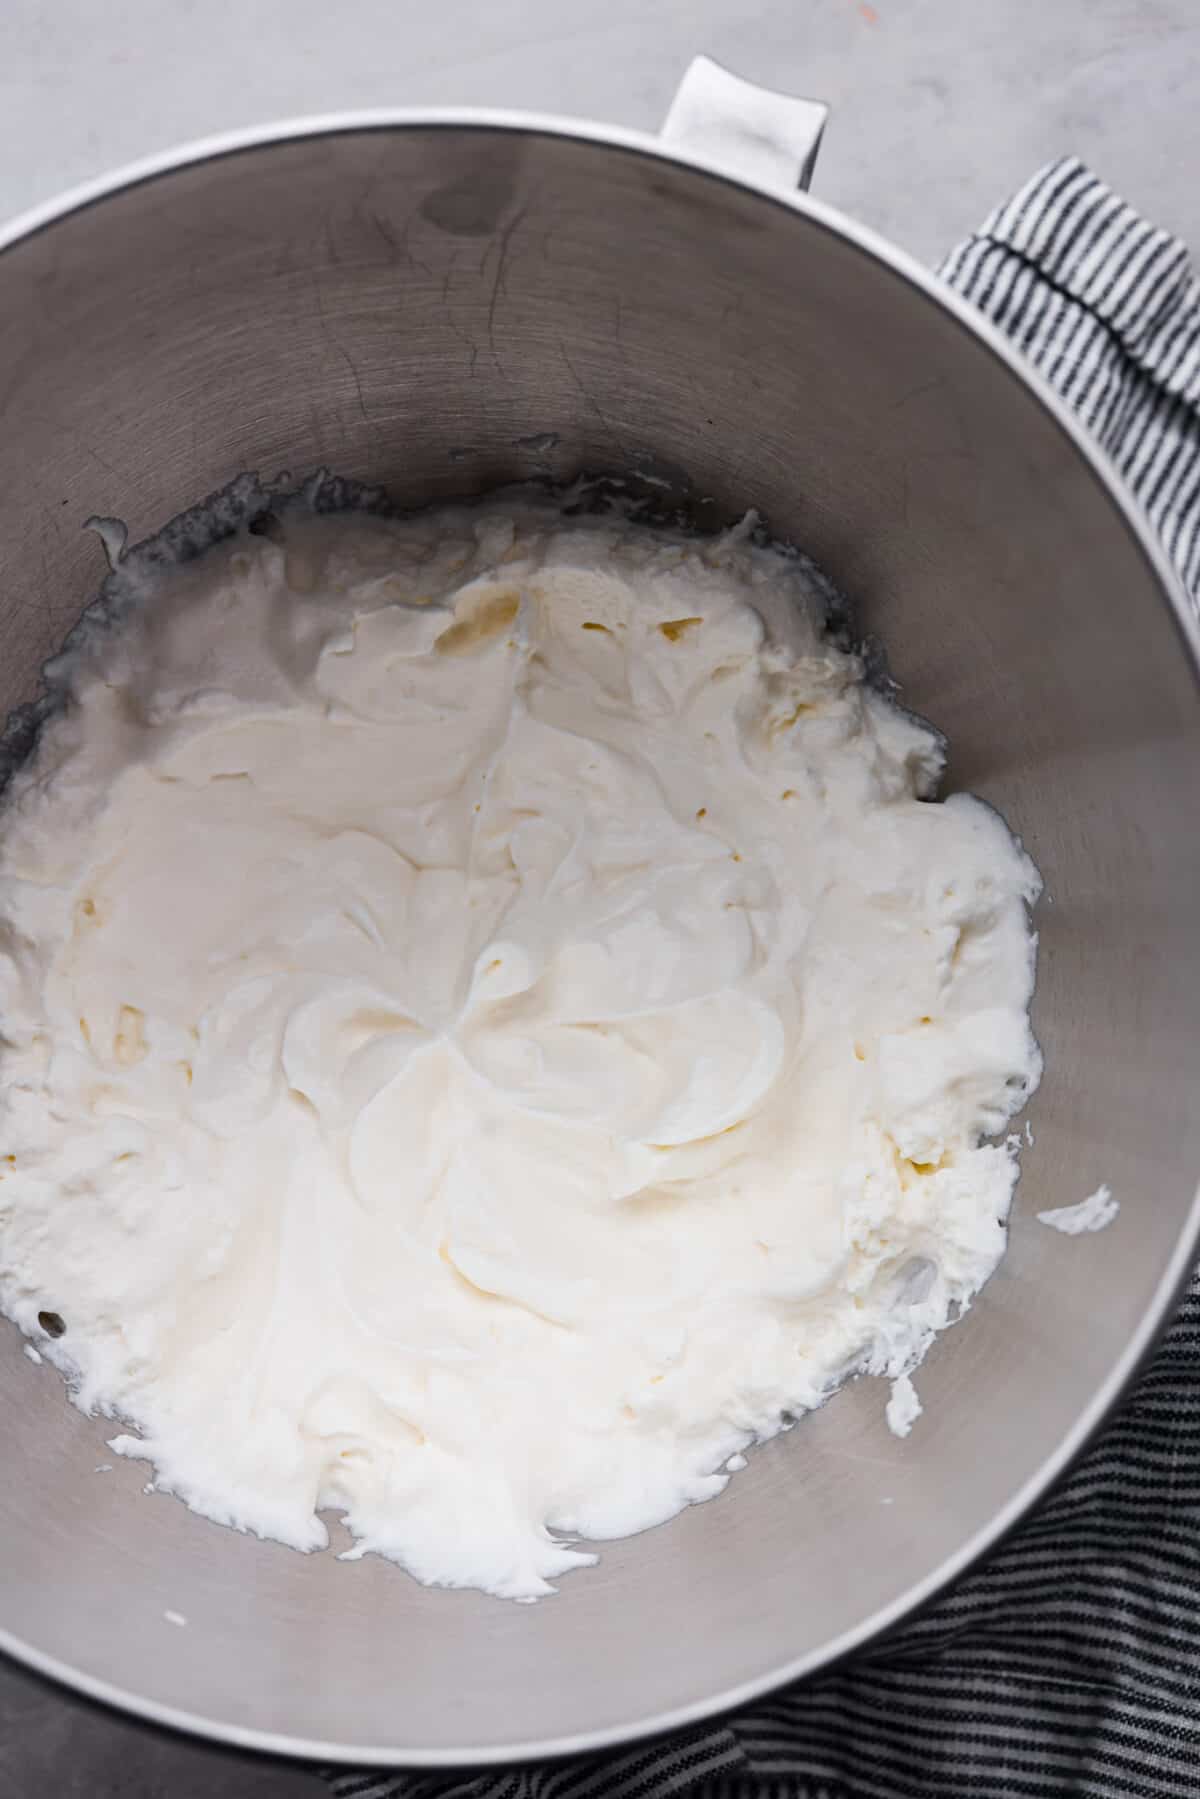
pixel 1069 1664
pixel 1108 309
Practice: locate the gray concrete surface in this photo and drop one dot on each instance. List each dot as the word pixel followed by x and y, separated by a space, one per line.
pixel 54 1746
pixel 940 107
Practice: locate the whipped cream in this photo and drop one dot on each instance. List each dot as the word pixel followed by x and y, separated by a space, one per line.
pixel 1095 1213
pixel 903 1408
pixel 494 1026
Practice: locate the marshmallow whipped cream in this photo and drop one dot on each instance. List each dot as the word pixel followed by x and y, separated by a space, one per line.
pixel 495 1023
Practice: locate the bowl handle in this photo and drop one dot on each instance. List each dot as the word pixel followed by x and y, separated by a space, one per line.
pixel 762 136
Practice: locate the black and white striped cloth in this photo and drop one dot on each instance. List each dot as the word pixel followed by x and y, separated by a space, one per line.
pixel 1069 1664
pixel 1107 307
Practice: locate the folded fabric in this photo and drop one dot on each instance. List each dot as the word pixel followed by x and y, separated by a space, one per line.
pixel 1108 309
pixel 1069 1663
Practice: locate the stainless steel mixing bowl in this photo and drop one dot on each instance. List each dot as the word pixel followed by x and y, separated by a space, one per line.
pixel 442 303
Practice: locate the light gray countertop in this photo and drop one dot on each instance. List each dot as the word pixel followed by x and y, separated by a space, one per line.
pixel 940 107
